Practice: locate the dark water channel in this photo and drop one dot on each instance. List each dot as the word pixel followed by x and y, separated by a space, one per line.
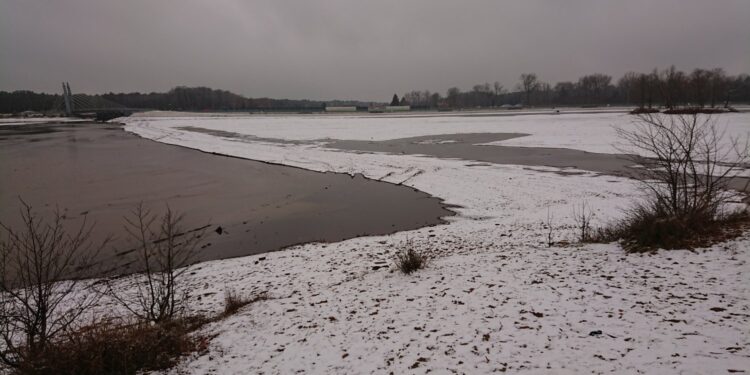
pixel 103 172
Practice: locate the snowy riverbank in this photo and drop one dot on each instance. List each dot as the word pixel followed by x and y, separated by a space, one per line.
pixel 495 297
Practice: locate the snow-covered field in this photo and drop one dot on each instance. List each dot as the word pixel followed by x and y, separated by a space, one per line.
pixel 494 297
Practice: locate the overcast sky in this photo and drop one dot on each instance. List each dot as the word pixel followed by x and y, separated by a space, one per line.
pixel 347 49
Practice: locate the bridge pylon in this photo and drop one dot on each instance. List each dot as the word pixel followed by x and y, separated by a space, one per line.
pixel 68 98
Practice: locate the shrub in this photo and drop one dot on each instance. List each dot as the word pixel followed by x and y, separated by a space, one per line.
pixel 693 111
pixel 409 260
pixel 688 167
pixel 108 348
pixel 582 218
pixel 164 253
pixel 641 110
pixel 233 302
pixel 646 229
pixel 41 295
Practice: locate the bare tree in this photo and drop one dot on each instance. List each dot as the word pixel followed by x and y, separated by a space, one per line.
pixel 672 86
pixel 582 218
pixel 164 253
pixel 699 80
pixel 629 87
pixel 566 92
pixel 594 86
pixel 499 91
pixel 718 87
pixel 453 96
pixel 529 84
pixel 482 95
pixel 41 295
pixel 688 164
pixel 550 229
pixel 649 87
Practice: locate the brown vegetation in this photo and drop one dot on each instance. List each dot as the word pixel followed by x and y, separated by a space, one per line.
pixel 233 301
pixel 687 169
pixel 641 110
pixel 408 259
pixel 40 267
pixel 43 299
pixel 111 348
pixel 694 111
pixel 644 229
pixel 164 253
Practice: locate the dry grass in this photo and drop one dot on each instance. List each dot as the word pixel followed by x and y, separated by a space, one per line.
pixel 644 230
pixel 113 348
pixel 688 164
pixel 233 301
pixel 409 260
pixel 110 348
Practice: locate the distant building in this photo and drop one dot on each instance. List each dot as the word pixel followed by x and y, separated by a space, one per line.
pixel 31 114
pixel 341 109
pixel 397 108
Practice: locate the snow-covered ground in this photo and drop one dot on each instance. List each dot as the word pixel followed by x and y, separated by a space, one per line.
pixel 587 132
pixel 494 297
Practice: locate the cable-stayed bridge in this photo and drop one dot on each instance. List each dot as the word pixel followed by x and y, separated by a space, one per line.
pixel 91 106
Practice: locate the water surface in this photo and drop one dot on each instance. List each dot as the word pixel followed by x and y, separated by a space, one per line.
pixel 103 172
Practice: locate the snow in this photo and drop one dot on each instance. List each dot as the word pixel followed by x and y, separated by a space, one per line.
pixel 587 132
pixel 494 297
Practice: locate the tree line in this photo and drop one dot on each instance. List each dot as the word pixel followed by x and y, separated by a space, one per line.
pixel 177 99
pixel 669 88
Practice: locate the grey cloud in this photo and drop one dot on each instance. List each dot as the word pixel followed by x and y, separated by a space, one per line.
pixel 356 49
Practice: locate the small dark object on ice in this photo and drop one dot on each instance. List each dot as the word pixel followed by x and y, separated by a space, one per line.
pixel 219 230
pixel 595 333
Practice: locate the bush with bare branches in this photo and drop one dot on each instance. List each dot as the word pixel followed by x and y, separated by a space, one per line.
pixel 583 217
pixel 109 348
pixel 164 253
pixel 41 295
pixel 688 164
pixel 408 259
